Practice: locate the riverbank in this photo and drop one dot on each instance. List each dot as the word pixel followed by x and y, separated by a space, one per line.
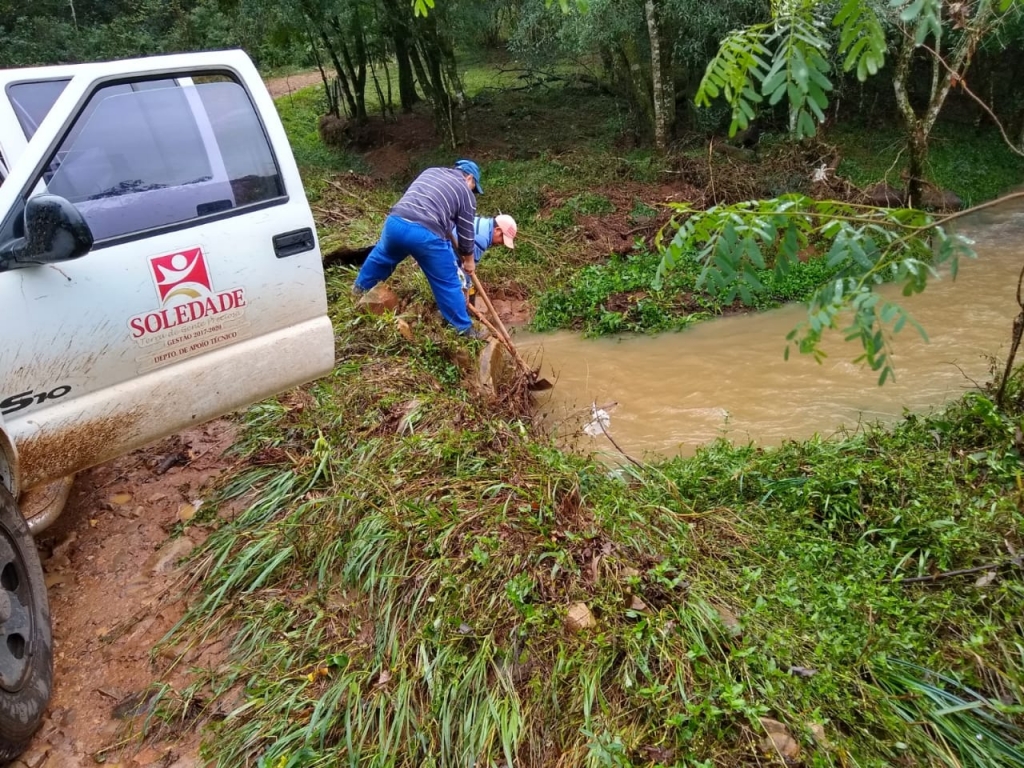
pixel 416 578
pixel 405 573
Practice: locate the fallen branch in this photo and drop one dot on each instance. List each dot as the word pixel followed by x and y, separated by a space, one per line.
pixel 611 439
pixel 962 572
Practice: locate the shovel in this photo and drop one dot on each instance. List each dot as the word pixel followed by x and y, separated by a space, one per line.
pixel 534 383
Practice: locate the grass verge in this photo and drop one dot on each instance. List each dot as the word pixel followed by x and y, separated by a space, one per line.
pixel 418 580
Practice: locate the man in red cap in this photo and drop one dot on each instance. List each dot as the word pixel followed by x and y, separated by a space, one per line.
pixel 488 232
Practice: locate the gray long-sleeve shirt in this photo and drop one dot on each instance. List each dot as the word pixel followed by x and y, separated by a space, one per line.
pixel 440 200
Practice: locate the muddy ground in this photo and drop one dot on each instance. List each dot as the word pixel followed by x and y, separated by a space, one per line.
pixel 114 586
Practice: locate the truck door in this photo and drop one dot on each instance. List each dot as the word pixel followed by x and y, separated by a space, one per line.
pixel 204 290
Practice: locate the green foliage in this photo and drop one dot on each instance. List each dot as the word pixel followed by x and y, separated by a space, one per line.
pixel 971 731
pixel 865 246
pixel 423 7
pixel 861 37
pixel 788 58
pixel 741 60
pixel 977 165
pixel 89 30
pixel 618 296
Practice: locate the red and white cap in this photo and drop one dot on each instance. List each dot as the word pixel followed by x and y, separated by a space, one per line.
pixel 508 228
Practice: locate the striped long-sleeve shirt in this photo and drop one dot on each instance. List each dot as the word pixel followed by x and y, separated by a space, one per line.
pixel 440 200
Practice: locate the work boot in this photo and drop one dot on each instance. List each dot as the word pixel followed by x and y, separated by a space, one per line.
pixel 477 334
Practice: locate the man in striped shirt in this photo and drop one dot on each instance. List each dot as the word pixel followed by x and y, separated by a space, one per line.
pixel 439 200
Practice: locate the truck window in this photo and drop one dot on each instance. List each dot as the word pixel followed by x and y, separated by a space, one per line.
pixel 33 101
pixel 142 156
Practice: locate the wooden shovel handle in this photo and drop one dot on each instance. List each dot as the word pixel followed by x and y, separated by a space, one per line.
pixel 503 331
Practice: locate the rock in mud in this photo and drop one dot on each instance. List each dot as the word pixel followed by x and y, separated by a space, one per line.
pixel 819 736
pixel 780 740
pixel 166 558
pixel 33 758
pixel 580 618
pixel 885 196
pixel 944 200
pixel 496 368
pixel 729 620
pixel 378 300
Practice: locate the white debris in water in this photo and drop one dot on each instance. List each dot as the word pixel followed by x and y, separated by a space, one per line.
pixel 599 422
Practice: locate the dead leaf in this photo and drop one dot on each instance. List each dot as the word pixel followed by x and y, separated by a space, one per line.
pixel 120 498
pixel 636 604
pixel 986 579
pixel 384 678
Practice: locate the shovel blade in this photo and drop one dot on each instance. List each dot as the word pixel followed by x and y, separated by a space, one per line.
pixel 540 385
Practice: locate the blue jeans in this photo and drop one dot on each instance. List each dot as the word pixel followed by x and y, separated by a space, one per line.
pixel 435 256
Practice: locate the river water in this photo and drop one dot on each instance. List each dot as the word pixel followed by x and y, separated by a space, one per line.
pixel 670 393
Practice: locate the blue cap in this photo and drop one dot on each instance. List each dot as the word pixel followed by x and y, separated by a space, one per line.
pixel 468 166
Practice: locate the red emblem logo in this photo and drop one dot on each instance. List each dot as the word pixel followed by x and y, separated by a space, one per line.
pixel 181 274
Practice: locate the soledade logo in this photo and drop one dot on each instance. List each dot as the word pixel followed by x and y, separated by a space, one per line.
pixel 187 298
pixel 181 274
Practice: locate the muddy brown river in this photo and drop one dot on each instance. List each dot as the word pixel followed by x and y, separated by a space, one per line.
pixel 727 377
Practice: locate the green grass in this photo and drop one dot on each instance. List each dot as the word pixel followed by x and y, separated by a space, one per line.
pixel 973 163
pixel 617 297
pixel 300 113
pixel 398 584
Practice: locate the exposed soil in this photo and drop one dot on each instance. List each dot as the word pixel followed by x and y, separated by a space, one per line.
pixel 114 586
pixel 282 86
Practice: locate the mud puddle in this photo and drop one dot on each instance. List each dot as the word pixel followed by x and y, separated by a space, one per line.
pixel 114 587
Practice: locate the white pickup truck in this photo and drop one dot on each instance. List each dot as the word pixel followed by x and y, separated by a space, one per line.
pixel 159 267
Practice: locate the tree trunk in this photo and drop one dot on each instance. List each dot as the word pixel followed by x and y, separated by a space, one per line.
pixel 406 82
pixel 438 61
pixel 333 107
pixel 399 30
pixel 663 96
pixel 636 80
pixel 355 67
pixel 919 126
pixel 917 147
pixel 339 71
pixel 421 72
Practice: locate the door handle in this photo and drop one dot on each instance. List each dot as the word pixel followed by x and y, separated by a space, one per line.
pixel 290 243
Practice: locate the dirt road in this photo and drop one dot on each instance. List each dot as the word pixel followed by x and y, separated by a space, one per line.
pixel 110 566
pixel 282 86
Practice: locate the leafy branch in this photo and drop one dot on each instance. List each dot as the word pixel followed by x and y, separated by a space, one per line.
pixel 788 57
pixel 864 246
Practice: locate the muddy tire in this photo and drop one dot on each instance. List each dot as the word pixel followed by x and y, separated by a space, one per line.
pixel 26 640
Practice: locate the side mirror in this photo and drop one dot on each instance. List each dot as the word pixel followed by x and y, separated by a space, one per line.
pixel 54 232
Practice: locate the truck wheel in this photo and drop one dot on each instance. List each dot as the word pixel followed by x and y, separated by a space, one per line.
pixel 26 640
